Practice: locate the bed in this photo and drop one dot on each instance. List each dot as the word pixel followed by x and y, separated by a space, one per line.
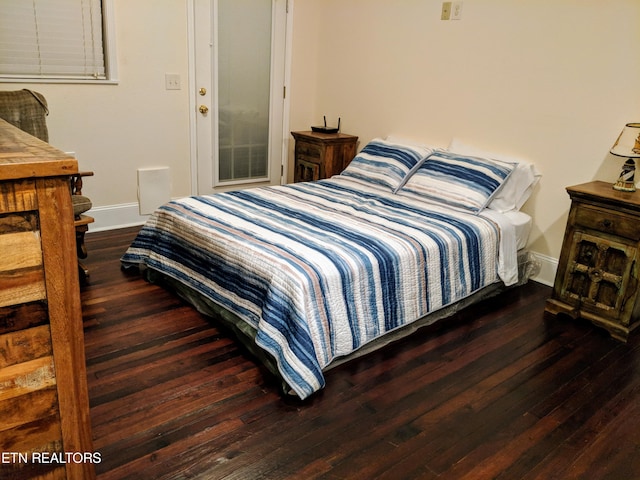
pixel 309 274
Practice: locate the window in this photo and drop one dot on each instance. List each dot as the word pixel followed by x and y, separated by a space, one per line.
pixel 57 41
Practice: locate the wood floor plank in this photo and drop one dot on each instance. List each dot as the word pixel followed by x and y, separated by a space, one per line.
pixel 498 391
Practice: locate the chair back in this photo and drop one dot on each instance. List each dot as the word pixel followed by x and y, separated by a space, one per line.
pixel 26 110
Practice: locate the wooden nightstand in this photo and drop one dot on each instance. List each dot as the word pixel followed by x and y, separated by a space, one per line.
pixel 322 155
pixel 597 277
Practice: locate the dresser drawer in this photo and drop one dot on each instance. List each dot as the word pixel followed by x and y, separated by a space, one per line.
pixel 22 277
pixel 607 222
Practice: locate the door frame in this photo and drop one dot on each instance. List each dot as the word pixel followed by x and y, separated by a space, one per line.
pixel 193 94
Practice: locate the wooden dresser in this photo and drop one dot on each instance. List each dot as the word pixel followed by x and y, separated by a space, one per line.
pixel 597 276
pixel 322 155
pixel 44 408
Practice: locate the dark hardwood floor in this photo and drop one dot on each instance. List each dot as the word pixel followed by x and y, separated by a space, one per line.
pixel 499 391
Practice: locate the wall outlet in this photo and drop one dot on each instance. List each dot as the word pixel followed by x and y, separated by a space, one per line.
pixel 172 81
pixel 446 11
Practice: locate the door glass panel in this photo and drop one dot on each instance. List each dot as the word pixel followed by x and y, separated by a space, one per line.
pixel 243 83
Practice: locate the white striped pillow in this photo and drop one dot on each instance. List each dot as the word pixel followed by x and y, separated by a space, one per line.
pixel 459 181
pixel 385 163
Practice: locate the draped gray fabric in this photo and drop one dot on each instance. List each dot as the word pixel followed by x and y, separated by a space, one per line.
pixel 27 110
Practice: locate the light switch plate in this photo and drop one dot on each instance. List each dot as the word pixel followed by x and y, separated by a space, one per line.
pixel 456 10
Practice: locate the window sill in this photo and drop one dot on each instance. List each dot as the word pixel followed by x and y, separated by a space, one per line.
pixel 76 81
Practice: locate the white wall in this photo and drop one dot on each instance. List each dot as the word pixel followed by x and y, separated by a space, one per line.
pixel 116 129
pixel 553 82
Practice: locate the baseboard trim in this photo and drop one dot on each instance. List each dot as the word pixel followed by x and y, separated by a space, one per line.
pixel 548 267
pixel 116 216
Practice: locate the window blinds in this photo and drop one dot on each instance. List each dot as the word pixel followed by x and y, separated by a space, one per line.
pixel 51 39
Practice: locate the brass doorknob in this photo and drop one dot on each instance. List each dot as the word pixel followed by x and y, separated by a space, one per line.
pixel 203 109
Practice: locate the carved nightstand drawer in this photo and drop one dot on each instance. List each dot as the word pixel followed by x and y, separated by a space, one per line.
pixel 607 222
pixel 309 150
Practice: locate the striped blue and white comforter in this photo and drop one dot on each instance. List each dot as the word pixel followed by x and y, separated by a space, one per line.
pixel 319 269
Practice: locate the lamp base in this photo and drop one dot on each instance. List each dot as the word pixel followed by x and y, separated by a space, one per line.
pixel 624 186
pixel 626 182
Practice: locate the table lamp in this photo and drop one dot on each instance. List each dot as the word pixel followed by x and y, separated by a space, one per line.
pixel 627 145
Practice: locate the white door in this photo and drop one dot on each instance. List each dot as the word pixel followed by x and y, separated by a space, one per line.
pixel 239 53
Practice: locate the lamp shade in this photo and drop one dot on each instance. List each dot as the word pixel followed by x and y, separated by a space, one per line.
pixel 628 143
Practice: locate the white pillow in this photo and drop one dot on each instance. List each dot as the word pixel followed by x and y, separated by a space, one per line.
pixel 518 187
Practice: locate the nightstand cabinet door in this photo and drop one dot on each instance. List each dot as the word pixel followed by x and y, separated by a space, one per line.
pixel 322 155
pixel 308 171
pixel 597 277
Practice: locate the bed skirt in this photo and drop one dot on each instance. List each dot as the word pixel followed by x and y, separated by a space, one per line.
pixel 528 266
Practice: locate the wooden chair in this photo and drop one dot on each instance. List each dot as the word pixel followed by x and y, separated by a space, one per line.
pixel 28 111
pixel 81 204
